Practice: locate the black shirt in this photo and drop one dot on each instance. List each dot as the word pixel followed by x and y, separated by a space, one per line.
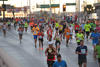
pixel 82 50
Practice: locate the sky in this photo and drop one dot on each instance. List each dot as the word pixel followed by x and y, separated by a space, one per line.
pixel 21 3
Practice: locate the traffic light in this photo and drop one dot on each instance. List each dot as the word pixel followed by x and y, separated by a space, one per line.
pixel 64 8
pixel 4 7
pixel 0 13
pixel 88 9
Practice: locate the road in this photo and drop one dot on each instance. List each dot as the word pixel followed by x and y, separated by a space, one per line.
pixel 29 56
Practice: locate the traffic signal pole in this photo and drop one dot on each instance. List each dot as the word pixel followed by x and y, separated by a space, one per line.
pixel 3 12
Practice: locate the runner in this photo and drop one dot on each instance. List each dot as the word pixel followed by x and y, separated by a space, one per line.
pixel 93 26
pixel 26 26
pixel 35 31
pixel 95 38
pixel 97 52
pixel 60 29
pixel 31 25
pixel 50 53
pixel 64 26
pixel 67 35
pixel 71 31
pixel 9 25
pixel 21 24
pixel 87 28
pixel 76 27
pixel 79 37
pixel 82 54
pixel 56 25
pixel 60 62
pixel 49 33
pixel 58 41
pixel 15 24
pixel 40 36
pixel 20 32
pixel 82 27
pixel 4 28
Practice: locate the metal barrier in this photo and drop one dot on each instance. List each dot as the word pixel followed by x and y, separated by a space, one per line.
pixel 7 61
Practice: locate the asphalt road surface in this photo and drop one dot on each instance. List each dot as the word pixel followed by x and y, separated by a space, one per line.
pixel 29 56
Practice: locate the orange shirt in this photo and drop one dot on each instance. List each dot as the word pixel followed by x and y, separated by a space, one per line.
pixel 31 23
pixel 35 30
pixel 67 33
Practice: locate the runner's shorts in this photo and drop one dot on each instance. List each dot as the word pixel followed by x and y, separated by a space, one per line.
pixel 60 32
pixel 56 28
pixel 87 33
pixel 57 43
pixel 50 63
pixel 99 60
pixel 82 60
pixel 41 39
pixel 76 31
pixel 35 36
pixel 94 42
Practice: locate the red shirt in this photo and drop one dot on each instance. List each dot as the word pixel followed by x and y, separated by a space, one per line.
pixel 77 27
pixel 98 28
pixel 40 34
pixel 31 23
pixel 49 32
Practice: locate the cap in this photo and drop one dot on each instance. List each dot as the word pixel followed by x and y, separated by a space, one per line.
pixel 35 24
pixel 50 42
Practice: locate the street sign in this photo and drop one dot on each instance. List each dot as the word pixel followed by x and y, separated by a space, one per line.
pixel 44 6
pixel 55 5
pixel 48 6
pixel 70 4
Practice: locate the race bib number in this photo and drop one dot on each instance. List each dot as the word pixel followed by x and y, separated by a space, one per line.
pixel 49 33
pixel 67 33
pixel 77 28
pixel 50 50
pixel 40 37
pixel 79 38
pixel 20 32
pixel 83 51
pixel 34 32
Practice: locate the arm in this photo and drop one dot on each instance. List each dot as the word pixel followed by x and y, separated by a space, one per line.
pixel 55 52
pixel 86 51
pixel 95 53
pixel 65 64
pixel 46 52
pixel 54 36
pixel 77 50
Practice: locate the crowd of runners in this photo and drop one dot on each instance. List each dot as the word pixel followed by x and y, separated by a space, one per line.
pixel 58 30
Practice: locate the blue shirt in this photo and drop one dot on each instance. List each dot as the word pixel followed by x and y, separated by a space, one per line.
pixel 95 37
pixel 82 26
pixel 60 64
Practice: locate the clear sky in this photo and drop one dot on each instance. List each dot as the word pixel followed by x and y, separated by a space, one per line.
pixel 33 2
pixel 19 3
